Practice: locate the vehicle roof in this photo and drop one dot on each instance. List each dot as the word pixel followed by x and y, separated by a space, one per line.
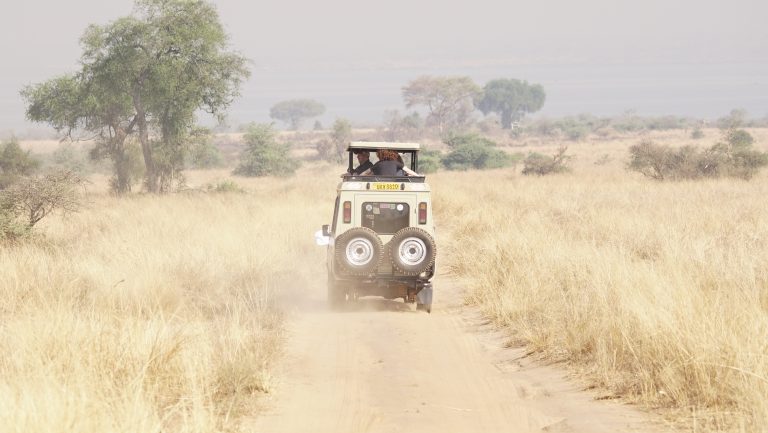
pixel 375 145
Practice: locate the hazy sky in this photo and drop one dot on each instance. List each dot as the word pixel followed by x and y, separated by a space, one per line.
pixel 354 55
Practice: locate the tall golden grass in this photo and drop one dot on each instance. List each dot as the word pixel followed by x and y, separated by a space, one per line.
pixel 159 313
pixel 153 313
pixel 657 291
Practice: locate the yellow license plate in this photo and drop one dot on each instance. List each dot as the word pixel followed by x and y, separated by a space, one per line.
pixel 386 186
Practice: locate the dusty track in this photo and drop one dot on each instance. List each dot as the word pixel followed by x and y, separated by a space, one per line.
pixel 380 366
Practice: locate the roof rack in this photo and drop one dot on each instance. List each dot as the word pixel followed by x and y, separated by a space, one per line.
pixel 376 145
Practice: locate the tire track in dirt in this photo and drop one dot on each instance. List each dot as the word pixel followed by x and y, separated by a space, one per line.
pixel 380 366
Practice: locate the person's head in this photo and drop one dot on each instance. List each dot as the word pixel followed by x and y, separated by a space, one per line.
pixel 386 155
pixel 362 156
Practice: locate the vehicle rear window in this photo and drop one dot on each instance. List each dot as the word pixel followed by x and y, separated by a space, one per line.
pixel 385 218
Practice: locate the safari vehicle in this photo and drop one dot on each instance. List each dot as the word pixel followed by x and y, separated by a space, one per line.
pixel 382 239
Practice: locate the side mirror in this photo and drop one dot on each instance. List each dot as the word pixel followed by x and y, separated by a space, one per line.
pixel 326 230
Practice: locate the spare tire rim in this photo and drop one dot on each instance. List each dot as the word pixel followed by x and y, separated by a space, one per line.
pixel 359 252
pixel 412 251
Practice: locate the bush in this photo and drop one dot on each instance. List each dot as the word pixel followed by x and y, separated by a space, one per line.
pixel 224 186
pixel 263 155
pixel 30 199
pixel 697 133
pixel 662 162
pixel 429 161
pixel 733 157
pixel 471 151
pixel 456 140
pixel 68 157
pixel 540 165
pixel 202 152
pixel 15 163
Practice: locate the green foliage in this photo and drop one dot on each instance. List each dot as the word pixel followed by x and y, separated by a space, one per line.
pixel 579 127
pixel 68 157
pixel 472 151
pixel 15 163
pixel 732 157
pixel 224 186
pixel 734 120
pixel 429 161
pixel 295 111
pixel 540 165
pixel 697 133
pixel 448 99
pixel 263 155
pixel 512 99
pixel 334 149
pixel 400 127
pixel 202 152
pixel 454 140
pixel 145 74
pixel 738 138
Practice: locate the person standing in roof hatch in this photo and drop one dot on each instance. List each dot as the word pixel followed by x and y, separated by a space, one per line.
pixel 364 162
pixel 388 165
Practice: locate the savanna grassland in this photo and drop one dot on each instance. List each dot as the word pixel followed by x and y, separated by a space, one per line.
pixel 655 292
pixel 165 313
pixel 153 313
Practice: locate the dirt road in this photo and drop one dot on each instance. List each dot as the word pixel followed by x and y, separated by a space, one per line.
pixel 380 366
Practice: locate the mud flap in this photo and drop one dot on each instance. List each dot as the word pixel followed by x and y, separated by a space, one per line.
pixel 424 297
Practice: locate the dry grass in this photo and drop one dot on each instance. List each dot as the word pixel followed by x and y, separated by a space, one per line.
pixel 150 314
pixel 658 292
pixel 153 313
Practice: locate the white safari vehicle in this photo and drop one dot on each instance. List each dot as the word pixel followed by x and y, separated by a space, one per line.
pixel 382 239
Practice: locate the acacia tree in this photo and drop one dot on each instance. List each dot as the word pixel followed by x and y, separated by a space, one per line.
pixel 147 74
pixel 295 111
pixel 449 100
pixel 512 99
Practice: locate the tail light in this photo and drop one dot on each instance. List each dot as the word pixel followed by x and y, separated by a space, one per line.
pixel 422 213
pixel 347 212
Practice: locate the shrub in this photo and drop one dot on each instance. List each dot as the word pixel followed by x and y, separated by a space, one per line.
pixel 203 153
pixel 473 151
pixel 224 186
pixel 697 133
pixel 15 163
pixel 68 157
pixel 454 140
pixel 733 157
pixel 429 161
pixel 540 165
pixel 30 199
pixel 263 155
pixel 662 162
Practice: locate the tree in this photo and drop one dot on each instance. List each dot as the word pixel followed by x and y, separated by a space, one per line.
pixel 263 155
pixel 295 111
pixel 448 99
pixel 510 98
pixel 333 149
pixel 145 73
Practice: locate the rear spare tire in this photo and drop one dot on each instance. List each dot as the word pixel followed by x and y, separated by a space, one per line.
pixel 359 251
pixel 412 251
